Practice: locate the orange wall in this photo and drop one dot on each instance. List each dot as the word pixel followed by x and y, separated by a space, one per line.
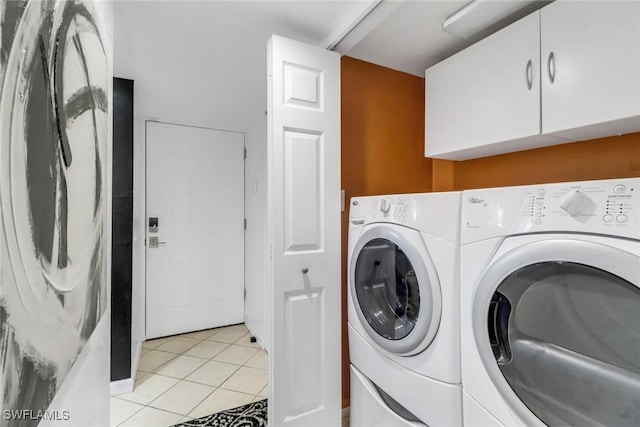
pixel 613 157
pixel 382 148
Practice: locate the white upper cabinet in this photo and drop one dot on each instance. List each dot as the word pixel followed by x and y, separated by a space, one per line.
pixel 583 83
pixel 487 94
pixel 590 68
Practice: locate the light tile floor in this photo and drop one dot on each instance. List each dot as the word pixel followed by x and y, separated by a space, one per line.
pixel 193 375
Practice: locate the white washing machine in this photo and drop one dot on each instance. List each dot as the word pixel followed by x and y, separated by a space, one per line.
pixel 550 305
pixel 403 310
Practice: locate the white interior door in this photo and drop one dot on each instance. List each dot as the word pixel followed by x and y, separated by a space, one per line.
pixel 304 234
pixel 195 190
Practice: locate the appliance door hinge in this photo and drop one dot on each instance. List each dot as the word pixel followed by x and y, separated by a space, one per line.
pixel 245 153
pixel 245 223
pixel 245 294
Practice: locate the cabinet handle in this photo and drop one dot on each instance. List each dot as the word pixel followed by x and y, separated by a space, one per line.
pixel 529 74
pixel 551 67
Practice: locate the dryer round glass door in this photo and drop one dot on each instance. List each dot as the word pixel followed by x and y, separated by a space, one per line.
pixel 394 289
pixel 566 338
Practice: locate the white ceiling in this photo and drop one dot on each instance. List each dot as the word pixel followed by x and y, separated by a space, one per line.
pixel 408 36
pixel 411 39
pixel 196 60
pixel 204 59
pixel 226 30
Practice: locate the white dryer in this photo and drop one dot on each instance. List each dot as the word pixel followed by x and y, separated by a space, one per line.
pixel 550 305
pixel 403 310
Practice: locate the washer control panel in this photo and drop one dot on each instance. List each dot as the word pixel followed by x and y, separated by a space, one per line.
pixel 394 208
pixel 436 214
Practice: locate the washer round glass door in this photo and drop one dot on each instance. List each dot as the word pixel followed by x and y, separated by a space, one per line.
pixel 395 289
pixel 564 332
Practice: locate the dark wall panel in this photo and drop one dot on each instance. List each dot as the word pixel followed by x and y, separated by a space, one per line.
pixel 122 229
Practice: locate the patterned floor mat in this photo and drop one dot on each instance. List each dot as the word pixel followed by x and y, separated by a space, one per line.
pixel 251 415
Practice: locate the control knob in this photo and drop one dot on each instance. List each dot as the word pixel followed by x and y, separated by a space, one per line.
pixel 385 206
pixel 576 202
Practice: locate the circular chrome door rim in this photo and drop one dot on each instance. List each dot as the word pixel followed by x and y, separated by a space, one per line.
pixel 597 255
pixel 411 243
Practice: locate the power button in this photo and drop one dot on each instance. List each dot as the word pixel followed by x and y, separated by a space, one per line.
pixel 619 189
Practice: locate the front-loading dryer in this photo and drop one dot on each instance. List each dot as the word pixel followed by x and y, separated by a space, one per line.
pixel 403 310
pixel 550 305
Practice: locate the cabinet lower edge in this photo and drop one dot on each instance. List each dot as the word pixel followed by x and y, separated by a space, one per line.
pixel 502 147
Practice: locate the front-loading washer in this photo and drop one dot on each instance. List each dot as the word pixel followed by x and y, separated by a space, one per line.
pixel 403 310
pixel 550 304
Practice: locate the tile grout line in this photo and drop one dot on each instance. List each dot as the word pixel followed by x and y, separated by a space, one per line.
pixel 206 399
pixel 184 379
pixel 201 358
pixel 183 354
pixel 187 414
pixel 179 381
pixel 253 396
pixel 196 382
pixel 126 419
pixel 150 407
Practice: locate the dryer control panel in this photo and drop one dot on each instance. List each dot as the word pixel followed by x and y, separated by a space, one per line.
pixel 604 205
pixel 608 207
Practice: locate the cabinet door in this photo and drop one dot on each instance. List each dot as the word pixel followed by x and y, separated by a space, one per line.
pixel 592 50
pixel 485 95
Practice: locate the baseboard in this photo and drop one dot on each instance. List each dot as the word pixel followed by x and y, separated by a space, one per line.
pixel 345 416
pixel 135 358
pixel 126 385
pixel 257 337
pixel 121 386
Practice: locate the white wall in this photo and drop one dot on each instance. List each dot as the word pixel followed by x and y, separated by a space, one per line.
pixel 85 390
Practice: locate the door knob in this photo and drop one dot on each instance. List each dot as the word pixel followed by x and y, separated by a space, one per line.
pixel 154 242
